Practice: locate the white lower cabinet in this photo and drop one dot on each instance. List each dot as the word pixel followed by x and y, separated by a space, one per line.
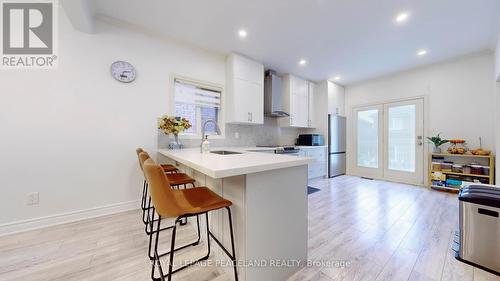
pixel 318 167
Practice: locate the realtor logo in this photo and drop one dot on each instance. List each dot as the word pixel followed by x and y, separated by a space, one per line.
pixel 28 34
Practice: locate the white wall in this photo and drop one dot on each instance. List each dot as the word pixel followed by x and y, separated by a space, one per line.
pixel 70 134
pixel 460 98
pixel 497 61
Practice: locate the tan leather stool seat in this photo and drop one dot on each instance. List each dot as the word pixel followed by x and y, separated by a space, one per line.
pixel 202 199
pixel 179 179
pixel 167 168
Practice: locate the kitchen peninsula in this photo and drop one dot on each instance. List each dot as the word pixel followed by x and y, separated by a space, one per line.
pixel 269 195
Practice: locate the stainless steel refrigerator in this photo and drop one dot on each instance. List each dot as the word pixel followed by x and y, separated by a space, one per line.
pixel 336 145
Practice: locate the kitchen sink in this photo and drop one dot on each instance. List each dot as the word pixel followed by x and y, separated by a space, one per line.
pixel 225 152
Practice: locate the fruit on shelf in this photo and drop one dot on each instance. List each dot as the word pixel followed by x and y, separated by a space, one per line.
pixel 457 146
pixel 481 151
pixel 456 150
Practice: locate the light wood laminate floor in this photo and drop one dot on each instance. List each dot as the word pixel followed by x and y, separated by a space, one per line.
pixel 379 230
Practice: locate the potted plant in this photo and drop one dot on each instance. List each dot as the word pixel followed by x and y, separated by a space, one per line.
pixel 437 141
pixel 173 125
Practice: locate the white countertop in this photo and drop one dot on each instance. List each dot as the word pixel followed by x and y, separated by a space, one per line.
pixel 223 166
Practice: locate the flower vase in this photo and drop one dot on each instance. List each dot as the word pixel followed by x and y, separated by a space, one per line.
pixel 175 144
pixel 436 149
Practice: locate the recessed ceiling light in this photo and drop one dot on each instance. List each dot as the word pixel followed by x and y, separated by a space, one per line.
pixel 402 17
pixel 422 53
pixel 242 33
pixel 302 62
pixel 337 78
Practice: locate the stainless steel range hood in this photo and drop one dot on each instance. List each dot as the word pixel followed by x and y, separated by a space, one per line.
pixel 273 95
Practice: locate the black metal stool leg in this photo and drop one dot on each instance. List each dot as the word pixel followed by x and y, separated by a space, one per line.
pixel 144 204
pixel 171 270
pixel 156 256
pixel 232 243
pixel 208 233
pixel 172 250
pixel 184 221
pixel 151 255
pixel 150 221
pixel 233 255
pixel 156 259
pixel 146 223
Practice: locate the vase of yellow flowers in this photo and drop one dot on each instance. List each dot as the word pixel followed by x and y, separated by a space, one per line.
pixel 173 125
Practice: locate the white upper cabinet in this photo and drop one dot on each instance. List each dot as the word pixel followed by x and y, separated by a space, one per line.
pixel 336 99
pixel 297 98
pixel 244 90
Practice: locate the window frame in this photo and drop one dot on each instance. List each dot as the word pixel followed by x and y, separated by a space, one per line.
pixel 199 83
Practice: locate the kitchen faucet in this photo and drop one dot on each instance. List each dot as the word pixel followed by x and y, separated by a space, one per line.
pixel 217 130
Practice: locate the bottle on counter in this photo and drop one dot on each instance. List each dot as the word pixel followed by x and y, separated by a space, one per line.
pixel 205 145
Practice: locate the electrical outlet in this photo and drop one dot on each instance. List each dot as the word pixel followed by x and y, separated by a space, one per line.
pixel 236 135
pixel 32 198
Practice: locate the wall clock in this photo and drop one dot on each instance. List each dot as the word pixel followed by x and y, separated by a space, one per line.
pixel 123 71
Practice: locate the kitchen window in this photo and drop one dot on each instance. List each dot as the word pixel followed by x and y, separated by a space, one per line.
pixel 198 103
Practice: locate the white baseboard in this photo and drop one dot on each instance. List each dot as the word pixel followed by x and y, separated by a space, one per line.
pixel 37 223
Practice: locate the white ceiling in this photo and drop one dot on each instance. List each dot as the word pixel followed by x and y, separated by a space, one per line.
pixel 354 39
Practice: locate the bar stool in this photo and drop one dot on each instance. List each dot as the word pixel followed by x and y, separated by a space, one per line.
pixel 167 168
pixel 179 204
pixel 176 180
pixel 144 200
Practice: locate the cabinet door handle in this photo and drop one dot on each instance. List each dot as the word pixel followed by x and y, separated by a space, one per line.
pixel 487 212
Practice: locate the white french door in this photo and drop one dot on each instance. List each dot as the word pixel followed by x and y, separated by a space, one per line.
pixel 389 141
pixel 369 142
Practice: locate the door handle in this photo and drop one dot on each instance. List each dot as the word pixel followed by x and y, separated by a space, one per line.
pixel 487 212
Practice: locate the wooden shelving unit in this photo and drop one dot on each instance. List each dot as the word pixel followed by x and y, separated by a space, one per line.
pixel 463 159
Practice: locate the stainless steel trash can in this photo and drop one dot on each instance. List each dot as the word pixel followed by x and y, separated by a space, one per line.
pixel 479 227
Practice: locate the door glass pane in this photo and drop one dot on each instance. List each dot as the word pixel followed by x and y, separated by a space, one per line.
pixel 368 138
pixel 401 134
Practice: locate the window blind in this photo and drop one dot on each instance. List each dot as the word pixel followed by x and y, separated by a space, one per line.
pixel 190 94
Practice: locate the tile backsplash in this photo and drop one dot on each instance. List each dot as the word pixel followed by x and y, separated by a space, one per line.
pixel 249 135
